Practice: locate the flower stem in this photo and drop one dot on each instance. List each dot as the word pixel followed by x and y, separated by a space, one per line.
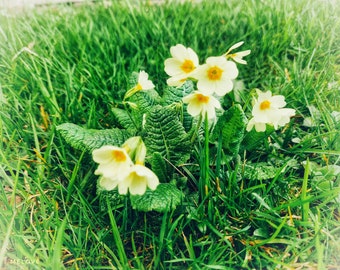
pixel 206 156
pixel 206 191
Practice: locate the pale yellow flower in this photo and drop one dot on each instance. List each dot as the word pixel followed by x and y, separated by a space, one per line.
pixel 216 76
pixel 201 104
pixel 180 67
pixel 238 56
pixel 113 161
pixel 143 83
pixel 138 179
pixel 116 169
pixel 269 109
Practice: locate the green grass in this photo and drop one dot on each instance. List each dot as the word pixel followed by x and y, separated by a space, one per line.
pixel 78 63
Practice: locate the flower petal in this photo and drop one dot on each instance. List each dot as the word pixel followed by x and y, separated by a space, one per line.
pixel 193 56
pixel 172 66
pixel 278 101
pixel 137 180
pixel 150 177
pixel 103 154
pixel 238 44
pixel 250 124
pixel 108 183
pixel 240 60
pixel 216 61
pixel 142 76
pixel 231 70
pixel 263 95
pixel 176 80
pixel 178 51
pixel 144 82
pixel 194 109
pixel 223 87
pixel 204 85
pixel 260 127
pixel 153 181
pixel 211 113
pixel 123 186
pixel 138 186
pixel 215 102
pixel 243 53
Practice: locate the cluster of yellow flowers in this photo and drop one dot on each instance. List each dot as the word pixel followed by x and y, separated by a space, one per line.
pixel 123 167
pixel 215 77
pixel 117 169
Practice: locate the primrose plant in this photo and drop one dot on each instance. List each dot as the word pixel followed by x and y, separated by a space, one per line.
pixel 156 136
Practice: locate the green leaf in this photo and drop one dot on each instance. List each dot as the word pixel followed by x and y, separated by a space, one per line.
pixel 164 198
pixel 259 171
pixel 165 134
pixel 159 166
pixel 325 177
pixel 111 196
pixel 124 119
pixel 252 139
pixel 145 100
pixel 90 139
pixel 230 127
pixel 187 119
pixel 175 94
pixel 133 79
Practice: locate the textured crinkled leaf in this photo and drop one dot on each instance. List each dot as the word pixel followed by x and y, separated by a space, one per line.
pixel 187 119
pixel 112 196
pixel 230 126
pixel 165 134
pixel 164 198
pixel 159 166
pixel 253 139
pixel 90 139
pixel 175 94
pixel 144 100
pixel 259 171
pixel 124 119
pixel 133 79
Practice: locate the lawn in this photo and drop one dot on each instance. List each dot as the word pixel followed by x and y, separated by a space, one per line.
pixel 273 204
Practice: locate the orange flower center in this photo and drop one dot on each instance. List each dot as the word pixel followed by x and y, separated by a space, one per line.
pixel 265 105
pixel 187 66
pixel 202 98
pixel 214 73
pixel 118 156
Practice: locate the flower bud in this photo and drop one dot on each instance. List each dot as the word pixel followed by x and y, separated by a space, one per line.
pixel 136 149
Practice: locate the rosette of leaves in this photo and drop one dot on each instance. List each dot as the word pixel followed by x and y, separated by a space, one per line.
pixel 160 124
